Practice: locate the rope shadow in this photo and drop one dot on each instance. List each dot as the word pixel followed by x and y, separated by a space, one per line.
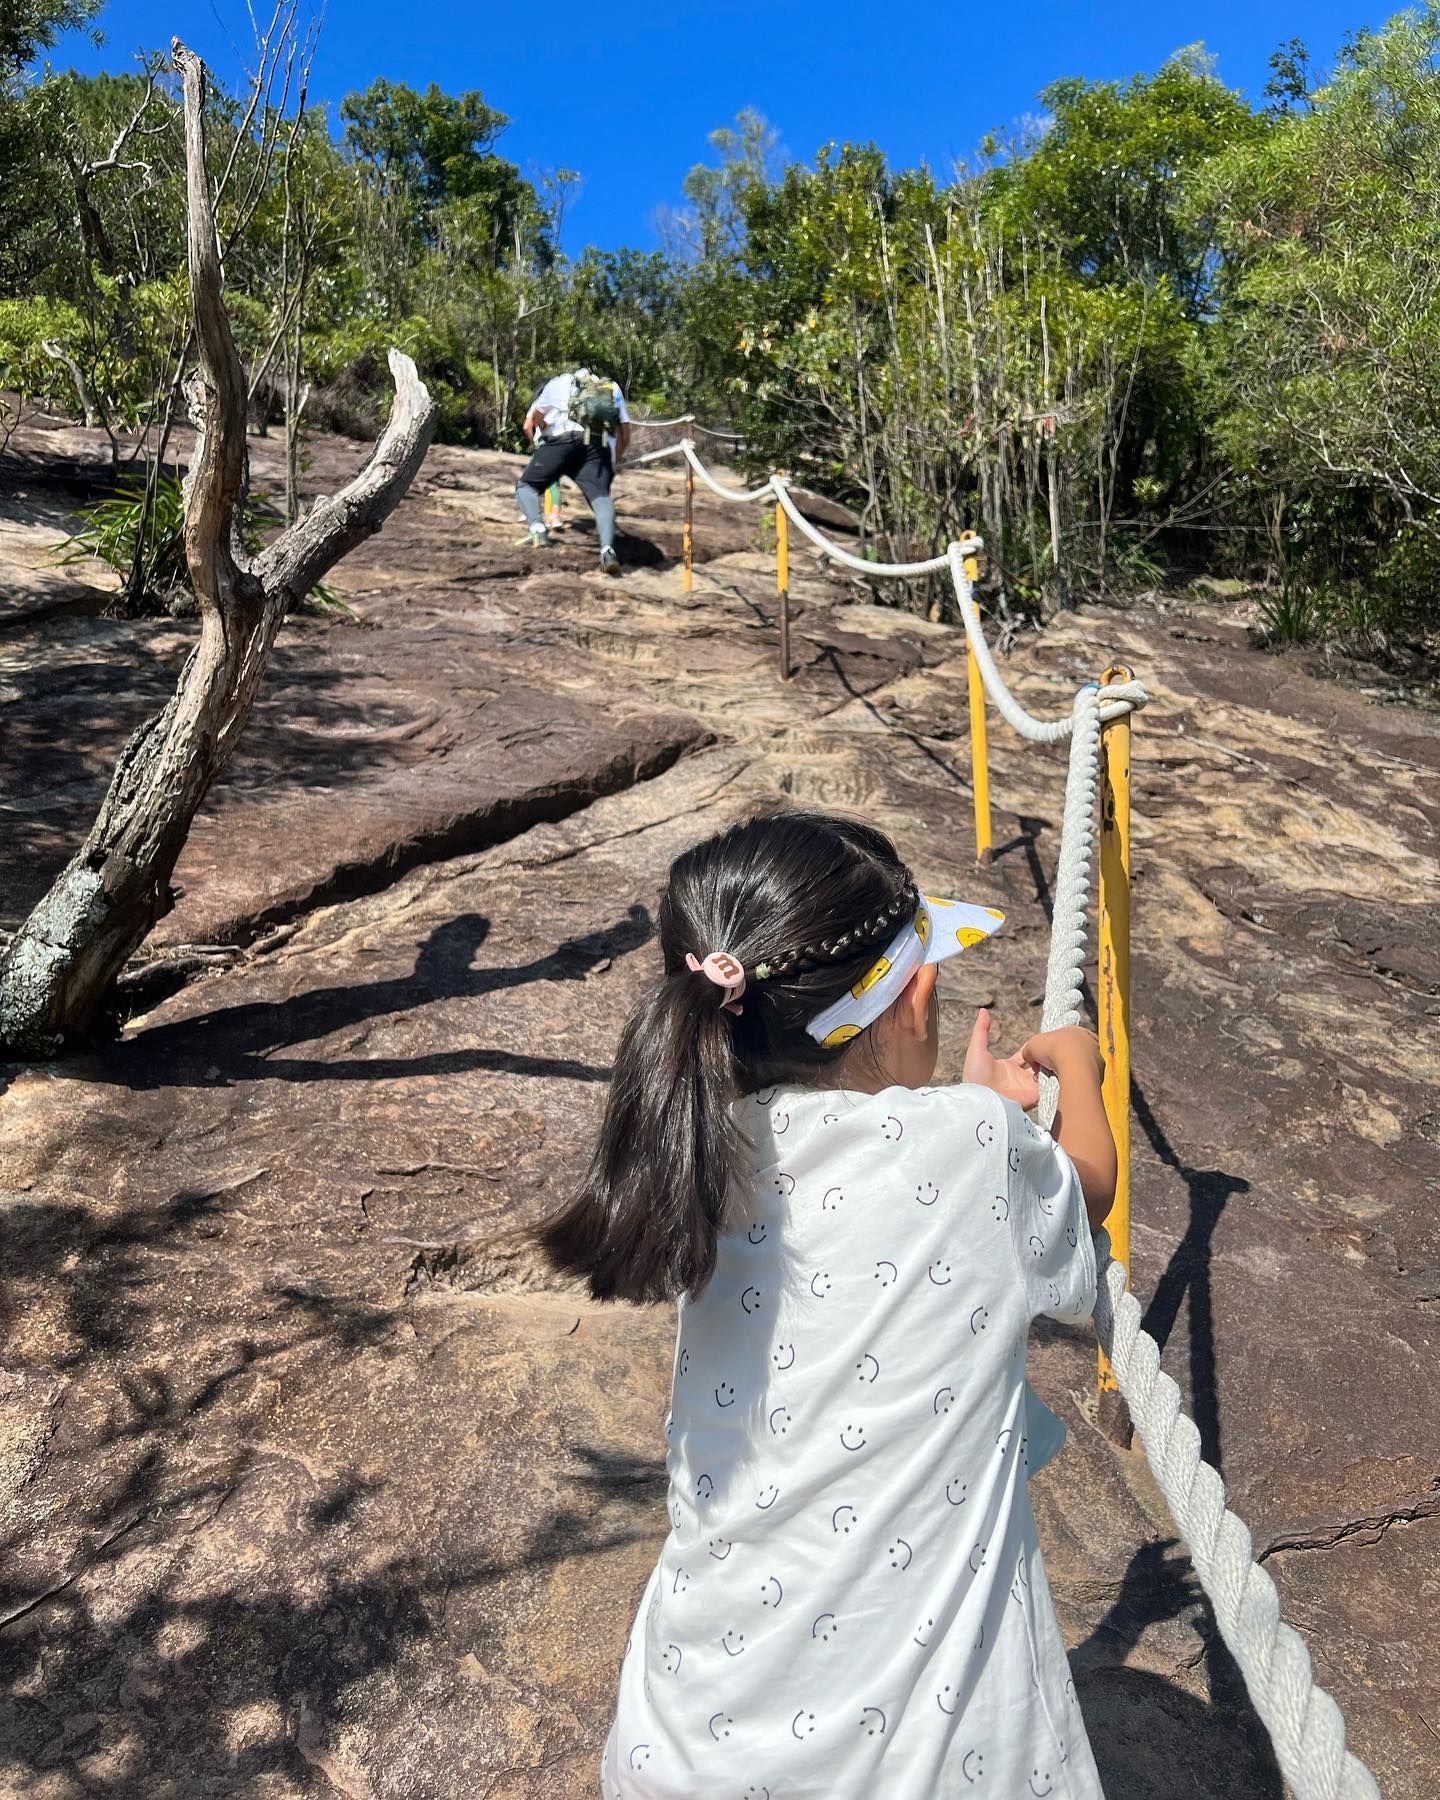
pixel 827 653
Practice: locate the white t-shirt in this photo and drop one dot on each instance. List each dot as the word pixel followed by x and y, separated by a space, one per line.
pixel 851 1603
pixel 553 402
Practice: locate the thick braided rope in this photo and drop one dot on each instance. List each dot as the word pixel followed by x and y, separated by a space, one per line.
pixel 675 449
pixel 717 487
pixel 883 571
pixel 734 437
pixel 1306 1727
pixel 1117 699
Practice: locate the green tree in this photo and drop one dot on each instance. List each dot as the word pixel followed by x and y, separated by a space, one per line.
pixel 29 26
pixel 434 149
pixel 1325 361
pixel 1107 181
pixel 713 224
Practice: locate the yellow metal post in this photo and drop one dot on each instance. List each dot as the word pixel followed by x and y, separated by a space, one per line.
pixel 782 584
pixel 1114 1008
pixel 689 528
pixel 979 741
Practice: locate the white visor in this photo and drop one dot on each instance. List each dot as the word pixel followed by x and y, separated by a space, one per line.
pixel 939 929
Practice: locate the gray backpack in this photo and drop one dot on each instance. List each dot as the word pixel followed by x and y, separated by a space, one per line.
pixel 594 404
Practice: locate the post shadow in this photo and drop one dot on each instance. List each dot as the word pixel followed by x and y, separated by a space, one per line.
pixel 1028 841
pixel 1188 1272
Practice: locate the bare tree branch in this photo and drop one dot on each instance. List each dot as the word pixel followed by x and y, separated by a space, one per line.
pixel 59 968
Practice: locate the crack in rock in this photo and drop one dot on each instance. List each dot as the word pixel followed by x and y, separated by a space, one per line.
pixel 1378 1524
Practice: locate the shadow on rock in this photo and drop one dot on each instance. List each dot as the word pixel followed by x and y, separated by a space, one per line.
pixel 92 1276
pixel 238 1043
pixel 227 1636
pixel 1144 1728
pixel 76 702
pixel 1188 1272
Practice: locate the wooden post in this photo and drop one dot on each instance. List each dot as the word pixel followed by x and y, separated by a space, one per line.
pixel 1113 997
pixel 689 527
pixel 979 740
pixel 782 584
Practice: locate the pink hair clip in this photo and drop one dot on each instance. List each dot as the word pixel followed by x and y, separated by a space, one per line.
pixel 725 971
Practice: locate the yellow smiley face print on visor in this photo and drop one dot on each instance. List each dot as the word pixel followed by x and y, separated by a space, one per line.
pixel 941 928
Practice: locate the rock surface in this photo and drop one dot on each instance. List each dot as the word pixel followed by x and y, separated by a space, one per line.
pixel 315 1482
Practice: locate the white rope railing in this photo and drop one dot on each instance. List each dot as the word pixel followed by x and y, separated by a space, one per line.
pixel 714 431
pixel 718 487
pixel 1306 1727
pixel 846 558
pixel 651 456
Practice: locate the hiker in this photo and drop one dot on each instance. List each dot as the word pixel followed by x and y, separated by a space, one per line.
pixel 851 1601
pixel 580 427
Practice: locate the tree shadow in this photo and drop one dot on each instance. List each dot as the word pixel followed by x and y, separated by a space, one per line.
pixel 238 1043
pixel 93 1274
pixel 1143 1727
pixel 83 686
pixel 129 1675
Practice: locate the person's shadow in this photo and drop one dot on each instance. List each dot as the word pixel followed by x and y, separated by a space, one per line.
pixel 237 1043
pixel 1151 1739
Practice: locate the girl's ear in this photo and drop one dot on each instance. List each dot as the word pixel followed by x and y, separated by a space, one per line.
pixel 912 1009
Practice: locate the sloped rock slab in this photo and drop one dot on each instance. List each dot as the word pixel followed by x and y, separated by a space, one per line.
pixel 297 1419
pixel 365 754
pixel 336 1467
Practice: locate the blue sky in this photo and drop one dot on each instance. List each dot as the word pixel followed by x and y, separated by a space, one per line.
pixel 627 93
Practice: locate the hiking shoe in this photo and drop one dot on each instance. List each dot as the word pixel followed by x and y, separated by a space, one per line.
pixel 539 537
pixel 609 561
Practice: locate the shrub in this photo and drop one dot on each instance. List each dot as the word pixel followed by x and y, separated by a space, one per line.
pixel 25 327
pixel 115 529
pixel 160 581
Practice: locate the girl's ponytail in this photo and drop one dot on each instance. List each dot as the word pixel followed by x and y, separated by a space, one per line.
pixel 803 903
pixel 644 1223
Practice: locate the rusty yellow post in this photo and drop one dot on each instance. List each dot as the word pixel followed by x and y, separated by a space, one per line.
pixel 689 527
pixel 979 741
pixel 1114 1009
pixel 782 585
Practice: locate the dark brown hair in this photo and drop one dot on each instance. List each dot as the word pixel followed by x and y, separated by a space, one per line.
pixel 805 901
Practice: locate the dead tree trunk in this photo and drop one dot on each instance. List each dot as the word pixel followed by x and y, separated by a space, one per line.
pixel 61 964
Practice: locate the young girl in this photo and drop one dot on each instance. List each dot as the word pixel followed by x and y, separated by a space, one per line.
pixel 851 1602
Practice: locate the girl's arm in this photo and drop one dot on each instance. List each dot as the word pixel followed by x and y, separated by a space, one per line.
pixel 1081 1128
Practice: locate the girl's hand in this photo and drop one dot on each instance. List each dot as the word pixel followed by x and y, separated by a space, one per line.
pixel 1070 1047
pixel 1012 1077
